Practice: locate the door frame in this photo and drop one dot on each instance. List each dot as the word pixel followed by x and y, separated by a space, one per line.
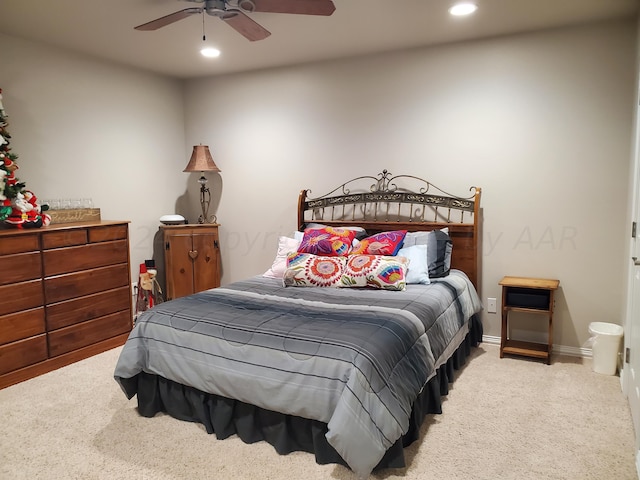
pixel 631 385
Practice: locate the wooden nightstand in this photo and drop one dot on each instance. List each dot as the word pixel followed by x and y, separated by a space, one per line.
pixel 192 258
pixel 531 295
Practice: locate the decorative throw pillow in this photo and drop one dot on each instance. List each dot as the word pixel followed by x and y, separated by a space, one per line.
pixel 418 269
pixel 376 271
pixel 358 231
pixel 439 248
pixel 308 270
pixel 286 245
pixel 415 238
pixel 328 241
pixel 385 243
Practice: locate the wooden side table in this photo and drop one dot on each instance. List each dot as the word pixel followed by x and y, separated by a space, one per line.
pixel 192 258
pixel 530 295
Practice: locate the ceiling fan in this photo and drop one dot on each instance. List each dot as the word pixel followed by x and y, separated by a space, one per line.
pixel 233 13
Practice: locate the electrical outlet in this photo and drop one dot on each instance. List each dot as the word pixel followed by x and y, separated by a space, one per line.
pixel 491 305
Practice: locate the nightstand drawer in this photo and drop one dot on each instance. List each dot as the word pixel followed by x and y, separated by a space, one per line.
pixel 528 298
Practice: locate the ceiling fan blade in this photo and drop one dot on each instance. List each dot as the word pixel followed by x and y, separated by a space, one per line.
pixel 300 7
pixel 168 19
pixel 245 26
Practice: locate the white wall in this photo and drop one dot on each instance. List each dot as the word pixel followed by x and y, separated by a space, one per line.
pixel 541 121
pixel 84 128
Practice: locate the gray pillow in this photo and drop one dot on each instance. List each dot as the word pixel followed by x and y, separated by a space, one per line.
pixel 439 248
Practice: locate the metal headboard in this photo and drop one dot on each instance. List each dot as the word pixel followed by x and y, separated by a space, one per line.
pixel 385 201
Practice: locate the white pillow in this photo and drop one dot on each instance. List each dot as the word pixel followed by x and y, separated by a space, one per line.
pixel 285 246
pixel 418 271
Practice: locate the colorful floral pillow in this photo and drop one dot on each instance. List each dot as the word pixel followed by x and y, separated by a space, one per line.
pixel 385 243
pixel 358 231
pixel 376 271
pixel 308 270
pixel 328 241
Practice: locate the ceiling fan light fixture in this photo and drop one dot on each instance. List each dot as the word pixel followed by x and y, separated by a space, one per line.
pixel 210 52
pixel 462 9
pixel 232 12
pixel 247 5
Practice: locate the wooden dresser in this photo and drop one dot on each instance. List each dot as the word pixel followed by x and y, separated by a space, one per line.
pixel 65 295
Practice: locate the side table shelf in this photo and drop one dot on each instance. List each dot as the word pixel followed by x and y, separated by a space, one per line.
pixel 529 295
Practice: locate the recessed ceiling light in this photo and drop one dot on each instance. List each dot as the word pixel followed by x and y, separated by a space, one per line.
pixel 210 52
pixel 461 9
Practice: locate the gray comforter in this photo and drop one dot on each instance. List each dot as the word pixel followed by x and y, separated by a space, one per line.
pixel 355 359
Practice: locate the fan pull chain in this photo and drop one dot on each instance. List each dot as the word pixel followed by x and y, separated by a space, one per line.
pixel 204 38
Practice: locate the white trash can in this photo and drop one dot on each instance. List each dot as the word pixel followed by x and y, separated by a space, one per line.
pixel 606 346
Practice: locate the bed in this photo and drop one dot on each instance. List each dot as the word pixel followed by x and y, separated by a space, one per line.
pixel 343 365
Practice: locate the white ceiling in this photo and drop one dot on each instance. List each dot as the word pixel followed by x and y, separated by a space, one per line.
pixel 105 29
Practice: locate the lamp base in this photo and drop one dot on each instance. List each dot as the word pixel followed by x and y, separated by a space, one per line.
pixel 209 219
pixel 205 201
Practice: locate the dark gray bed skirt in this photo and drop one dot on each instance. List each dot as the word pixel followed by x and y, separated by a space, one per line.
pixel 286 433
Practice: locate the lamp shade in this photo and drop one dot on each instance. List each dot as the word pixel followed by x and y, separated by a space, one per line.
pixel 201 160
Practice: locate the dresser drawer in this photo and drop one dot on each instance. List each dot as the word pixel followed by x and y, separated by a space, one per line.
pixel 19 244
pixel 17 326
pixel 73 259
pixel 86 333
pixel 21 296
pixel 64 238
pixel 104 234
pixel 22 353
pixel 79 284
pixel 81 309
pixel 20 267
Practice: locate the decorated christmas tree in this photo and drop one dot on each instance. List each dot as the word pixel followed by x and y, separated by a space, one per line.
pixel 18 207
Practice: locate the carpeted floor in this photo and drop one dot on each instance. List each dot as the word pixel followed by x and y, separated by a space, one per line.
pixel 503 419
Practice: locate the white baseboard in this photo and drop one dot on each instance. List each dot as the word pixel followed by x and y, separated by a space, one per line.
pixel 559 349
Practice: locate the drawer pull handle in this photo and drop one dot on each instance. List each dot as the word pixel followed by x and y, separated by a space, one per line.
pixel 193 254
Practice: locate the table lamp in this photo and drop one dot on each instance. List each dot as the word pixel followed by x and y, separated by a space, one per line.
pixel 202 161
